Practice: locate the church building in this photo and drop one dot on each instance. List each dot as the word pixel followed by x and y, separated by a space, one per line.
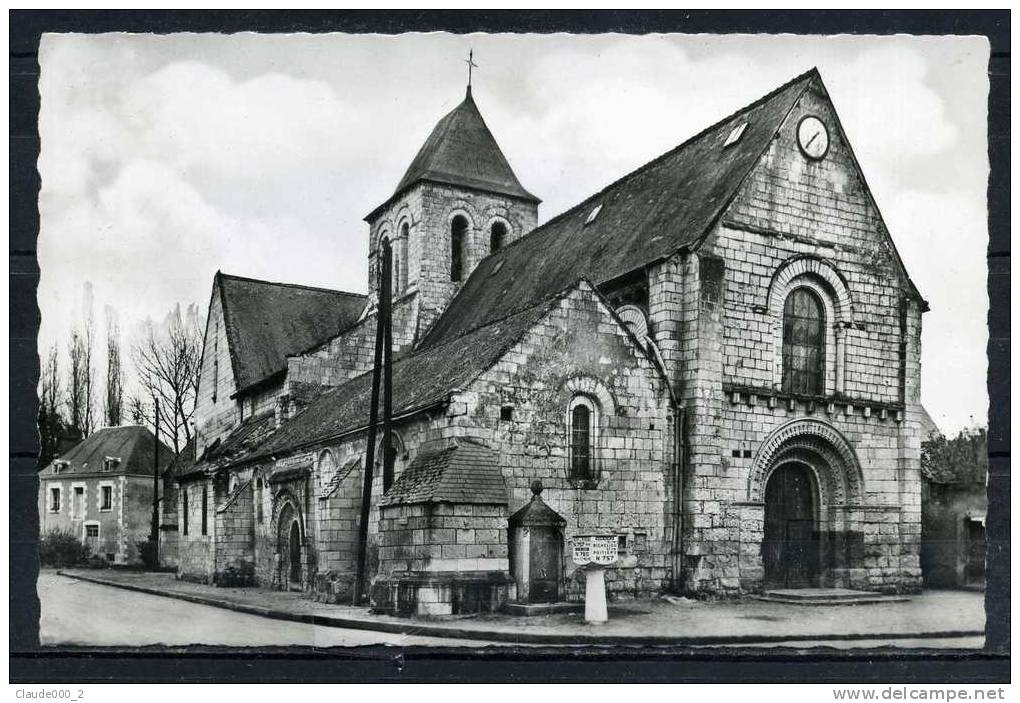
pixel 715 359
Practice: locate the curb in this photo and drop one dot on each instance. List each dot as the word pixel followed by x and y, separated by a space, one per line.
pixel 423 630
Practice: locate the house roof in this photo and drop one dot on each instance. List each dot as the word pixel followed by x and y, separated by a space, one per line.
pixel 465 472
pixel 265 322
pixel 421 379
pixel 665 205
pixel 461 151
pixel 928 425
pixel 132 444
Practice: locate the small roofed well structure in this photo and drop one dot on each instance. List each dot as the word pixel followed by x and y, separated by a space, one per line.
pixel 456 492
pixel 536 539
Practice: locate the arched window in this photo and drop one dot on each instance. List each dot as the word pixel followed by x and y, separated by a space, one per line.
pixel 380 256
pixel 497 237
pixel 259 500
pixel 400 258
pixel 582 431
pixel 458 244
pixel 803 343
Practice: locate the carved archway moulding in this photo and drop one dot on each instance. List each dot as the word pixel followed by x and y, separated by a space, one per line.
pixel 586 385
pixel 806 438
pixel 804 267
pixel 280 503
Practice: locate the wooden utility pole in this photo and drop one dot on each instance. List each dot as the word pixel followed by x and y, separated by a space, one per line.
pixel 382 336
pixel 154 533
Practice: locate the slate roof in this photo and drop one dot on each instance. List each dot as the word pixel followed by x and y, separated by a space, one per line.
pixel 928 425
pixel 536 512
pixel 465 472
pixel 241 441
pixel 265 322
pixel 184 460
pixel 420 379
pixel 132 444
pixel 461 151
pixel 649 214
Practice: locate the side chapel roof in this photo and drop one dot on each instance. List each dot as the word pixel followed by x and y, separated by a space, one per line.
pixel 265 322
pixel 421 379
pixel 464 472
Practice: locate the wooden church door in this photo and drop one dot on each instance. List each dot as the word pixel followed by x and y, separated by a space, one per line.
pixel 790 544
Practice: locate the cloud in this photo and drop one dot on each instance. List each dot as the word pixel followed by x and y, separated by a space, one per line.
pixel 165 158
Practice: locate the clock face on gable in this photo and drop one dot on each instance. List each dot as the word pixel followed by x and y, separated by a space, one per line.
pixel 813 138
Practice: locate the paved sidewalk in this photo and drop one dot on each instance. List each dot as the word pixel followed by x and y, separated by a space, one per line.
pixel 931 615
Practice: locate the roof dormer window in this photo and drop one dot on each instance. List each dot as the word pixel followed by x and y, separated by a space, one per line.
pixel 110 463
pixel 593 214
pixel 735 134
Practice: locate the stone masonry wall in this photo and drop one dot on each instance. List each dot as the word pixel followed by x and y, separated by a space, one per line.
pixel 235 538
pixel 216 413
pixel 443 537
pixel 428 209
pixel 727 350
pixel 195 550
pixel 350 354
pixel 579 347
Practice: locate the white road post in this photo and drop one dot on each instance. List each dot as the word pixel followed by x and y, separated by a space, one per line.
pixel 594 553
pixel 596 611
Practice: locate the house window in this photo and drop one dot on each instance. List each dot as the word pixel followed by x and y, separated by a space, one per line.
pixel 92 530
pixel 54 500
pixel 205 509
pixel 458 243
pixel 184 507
pixel 803 343
pixel 106 497
pixel 582 418
pixel 497 237
pixel 78 502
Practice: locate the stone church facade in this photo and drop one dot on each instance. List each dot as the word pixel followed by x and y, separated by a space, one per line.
pixel 715 359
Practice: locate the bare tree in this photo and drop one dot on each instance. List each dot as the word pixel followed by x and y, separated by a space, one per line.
pixel 168 361
pixel 50 391
pixel 81 371
pixel 78 384
pixel 114 406
pixel 51 398
pixel 137 412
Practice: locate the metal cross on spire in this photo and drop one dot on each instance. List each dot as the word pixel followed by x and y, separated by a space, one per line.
pixel 471 65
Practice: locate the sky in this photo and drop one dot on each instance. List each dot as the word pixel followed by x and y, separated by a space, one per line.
pixel 166 158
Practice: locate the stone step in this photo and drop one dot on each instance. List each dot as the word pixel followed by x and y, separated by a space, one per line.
pixel 827 596
pixel 529 609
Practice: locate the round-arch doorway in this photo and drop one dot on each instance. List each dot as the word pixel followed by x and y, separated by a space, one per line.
pixel 790 552
pixel 290 549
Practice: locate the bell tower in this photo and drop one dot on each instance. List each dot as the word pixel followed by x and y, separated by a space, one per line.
pixel 458 202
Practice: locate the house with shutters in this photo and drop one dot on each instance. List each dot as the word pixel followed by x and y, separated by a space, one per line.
pixel 101 490
pixel 715 360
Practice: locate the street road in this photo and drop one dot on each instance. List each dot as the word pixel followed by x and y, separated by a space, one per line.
pixel 81 613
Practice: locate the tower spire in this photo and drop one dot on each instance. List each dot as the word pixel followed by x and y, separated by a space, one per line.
pixel 471 65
